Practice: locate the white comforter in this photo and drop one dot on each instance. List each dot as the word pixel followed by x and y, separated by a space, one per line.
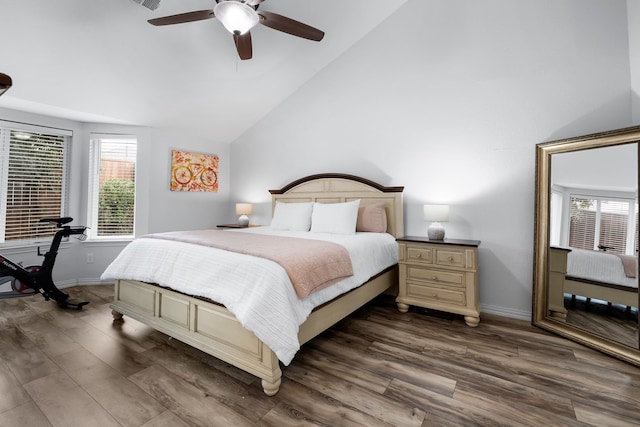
pixel 599 266
pixel 256 290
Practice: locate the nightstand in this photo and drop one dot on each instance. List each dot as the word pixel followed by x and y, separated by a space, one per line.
pixel 441 275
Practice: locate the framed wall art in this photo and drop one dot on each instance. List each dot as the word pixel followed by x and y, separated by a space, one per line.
pixel 194 171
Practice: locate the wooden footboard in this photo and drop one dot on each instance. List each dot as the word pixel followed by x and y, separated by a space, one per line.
pixel 611 294
pixel 560 284
pixel 213 329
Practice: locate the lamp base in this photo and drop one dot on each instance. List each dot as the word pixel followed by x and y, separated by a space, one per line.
pixel 435 231
pixel 243 220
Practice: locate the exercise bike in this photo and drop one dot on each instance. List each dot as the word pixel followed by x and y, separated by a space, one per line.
pixel 32 279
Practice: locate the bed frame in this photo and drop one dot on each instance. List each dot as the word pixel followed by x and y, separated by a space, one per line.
pixel 560 284
pixel 212 328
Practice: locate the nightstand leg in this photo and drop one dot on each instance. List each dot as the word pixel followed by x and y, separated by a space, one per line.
pixel 472 321
pixel 402 308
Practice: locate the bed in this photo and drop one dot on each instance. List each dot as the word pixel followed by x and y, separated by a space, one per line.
pixel 593 275
pixel 214 328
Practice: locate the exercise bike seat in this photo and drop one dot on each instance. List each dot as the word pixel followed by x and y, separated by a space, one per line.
pixel 58 221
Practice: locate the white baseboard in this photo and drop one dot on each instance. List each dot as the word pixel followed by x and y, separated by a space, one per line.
pixel 506 312
pixel 82 281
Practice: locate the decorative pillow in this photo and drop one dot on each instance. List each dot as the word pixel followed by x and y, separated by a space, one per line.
pixel 335 218
pixel 292 216
pixel 372 218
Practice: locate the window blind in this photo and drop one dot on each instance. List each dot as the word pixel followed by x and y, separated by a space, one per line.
pixel 33 176
pixel 113 192
pixel 602 222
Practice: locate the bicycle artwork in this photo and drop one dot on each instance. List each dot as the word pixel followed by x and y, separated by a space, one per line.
pixel 194 171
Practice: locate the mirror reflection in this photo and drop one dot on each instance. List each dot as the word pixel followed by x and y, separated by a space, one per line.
pixel 593 241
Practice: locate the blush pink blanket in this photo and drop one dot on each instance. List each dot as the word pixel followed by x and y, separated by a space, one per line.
pixel 310 264
pixel 629 265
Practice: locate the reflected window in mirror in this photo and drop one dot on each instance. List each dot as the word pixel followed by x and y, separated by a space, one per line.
pixel 594 222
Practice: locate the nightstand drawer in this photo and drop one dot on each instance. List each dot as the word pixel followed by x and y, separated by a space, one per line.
pixel 430 293
pixel 419 254
pixel 450 258
pixel 449 278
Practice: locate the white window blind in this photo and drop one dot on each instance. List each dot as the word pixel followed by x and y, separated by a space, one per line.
pixel 599 223
pixel 112 209
pixel 32 180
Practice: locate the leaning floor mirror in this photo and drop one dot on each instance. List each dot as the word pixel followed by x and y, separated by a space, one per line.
pixel 586 241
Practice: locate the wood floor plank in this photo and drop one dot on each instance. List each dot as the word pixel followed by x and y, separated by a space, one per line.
pixel 166 419
pixel 447 407
pixel 84 367
pixel 131 333
pixel 11 391
pixel 248 399
pixel 303 403
pixel 360 398
pixel 125 401
pixel 23 358
pixel 189 402
pixel 27 414
pixel 339 364
pixel 438 382
pixel 65 403
pixel 597 417
pixel 47 337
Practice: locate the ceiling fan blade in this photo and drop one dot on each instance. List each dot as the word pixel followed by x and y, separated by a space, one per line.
pixel 243 45
pixel 290 26
pixel 181 18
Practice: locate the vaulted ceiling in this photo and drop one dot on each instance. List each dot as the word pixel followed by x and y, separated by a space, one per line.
pixel 100 61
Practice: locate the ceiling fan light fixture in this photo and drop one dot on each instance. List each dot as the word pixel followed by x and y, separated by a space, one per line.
pixel 5 83
pixel 237 17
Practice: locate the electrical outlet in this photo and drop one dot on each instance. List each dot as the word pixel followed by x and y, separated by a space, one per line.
pixel 90 258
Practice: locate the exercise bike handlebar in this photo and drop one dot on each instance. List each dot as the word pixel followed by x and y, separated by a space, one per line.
pixel 58 222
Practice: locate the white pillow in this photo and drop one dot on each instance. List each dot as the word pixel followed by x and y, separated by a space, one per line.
pixel 335 218
pixel 292 216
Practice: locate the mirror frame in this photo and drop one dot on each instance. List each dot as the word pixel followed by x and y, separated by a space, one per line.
pixel 540 314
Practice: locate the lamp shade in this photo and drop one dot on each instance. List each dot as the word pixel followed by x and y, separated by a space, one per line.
pixel 436 213
pixel 244 208
pixel 237 17
pixel 5 83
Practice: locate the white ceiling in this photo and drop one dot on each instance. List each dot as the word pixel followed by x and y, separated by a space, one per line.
pixel 100 61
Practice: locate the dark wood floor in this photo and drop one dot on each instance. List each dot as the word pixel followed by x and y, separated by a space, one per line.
pixel 615 322
pixel 378 367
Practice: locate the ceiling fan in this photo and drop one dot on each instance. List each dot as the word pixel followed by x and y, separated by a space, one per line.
pixel 238 17
pixel 5 83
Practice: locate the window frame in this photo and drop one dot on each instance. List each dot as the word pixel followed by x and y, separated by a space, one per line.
pixel 95 140
pixel 6 127
pixel 599 197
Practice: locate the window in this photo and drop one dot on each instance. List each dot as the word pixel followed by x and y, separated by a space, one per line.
pixel 112 189
pixel 599 223
pixel 33 178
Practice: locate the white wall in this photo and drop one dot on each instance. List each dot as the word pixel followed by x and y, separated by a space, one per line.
pixel 633 12
pixel 448 98
pixel 157 208
pixel 605 168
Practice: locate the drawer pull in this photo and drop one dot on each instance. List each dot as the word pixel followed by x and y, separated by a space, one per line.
pixel 434 277
pixel 450 258
pixel 419 255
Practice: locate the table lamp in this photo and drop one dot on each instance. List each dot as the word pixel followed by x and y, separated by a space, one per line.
pixel 436 214
pixel 243 209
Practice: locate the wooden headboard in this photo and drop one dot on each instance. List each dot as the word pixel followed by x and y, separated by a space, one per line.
pixel 336 188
